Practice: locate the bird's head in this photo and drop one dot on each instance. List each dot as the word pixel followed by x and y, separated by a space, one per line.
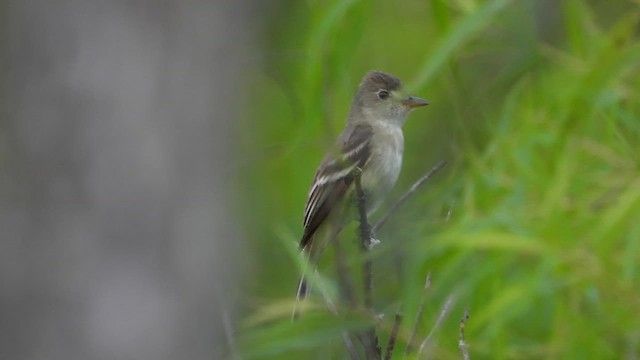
pixel 380 97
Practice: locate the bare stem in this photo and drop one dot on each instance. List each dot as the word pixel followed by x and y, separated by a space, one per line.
pixel 393 336
pixel 462 345
pixel 365 241
pixel 369 339
pixel 407 194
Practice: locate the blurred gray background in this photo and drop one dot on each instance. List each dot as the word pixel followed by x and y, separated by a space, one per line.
pixel 115 142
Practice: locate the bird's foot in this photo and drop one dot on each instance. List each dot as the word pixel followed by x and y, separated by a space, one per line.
pixel 372 243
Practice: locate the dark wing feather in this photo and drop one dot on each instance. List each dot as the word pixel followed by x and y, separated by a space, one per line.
pixel 333 178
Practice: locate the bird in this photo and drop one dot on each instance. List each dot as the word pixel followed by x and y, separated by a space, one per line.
pixel 372 142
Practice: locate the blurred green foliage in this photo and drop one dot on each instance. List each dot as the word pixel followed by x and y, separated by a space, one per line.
pixel 534 225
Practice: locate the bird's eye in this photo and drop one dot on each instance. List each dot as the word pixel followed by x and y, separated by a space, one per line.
pixel 383 94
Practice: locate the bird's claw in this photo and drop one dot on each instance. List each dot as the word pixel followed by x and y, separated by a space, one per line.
pixel 372 243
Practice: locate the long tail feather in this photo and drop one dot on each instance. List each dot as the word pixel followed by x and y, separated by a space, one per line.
pixel 304 288
pixel 303 292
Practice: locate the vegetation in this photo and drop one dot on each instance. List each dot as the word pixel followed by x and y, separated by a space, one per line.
pixel 533 226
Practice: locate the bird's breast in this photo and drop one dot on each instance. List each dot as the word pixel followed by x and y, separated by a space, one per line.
pixel 383 168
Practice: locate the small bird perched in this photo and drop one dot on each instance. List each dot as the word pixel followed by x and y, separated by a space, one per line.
pixel 372 140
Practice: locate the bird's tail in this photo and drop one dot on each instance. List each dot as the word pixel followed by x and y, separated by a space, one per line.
pixel 304 288
pixel 311 251
pixel 303 292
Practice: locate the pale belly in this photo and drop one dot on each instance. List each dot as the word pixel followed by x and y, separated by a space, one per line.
pixel 382 170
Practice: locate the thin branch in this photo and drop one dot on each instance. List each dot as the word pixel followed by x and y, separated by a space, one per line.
pixel 369 339
pixel 406 195
pixel 443 314
pixel 393 336
pixel 462 345
pixel 427 285
pixel 368 283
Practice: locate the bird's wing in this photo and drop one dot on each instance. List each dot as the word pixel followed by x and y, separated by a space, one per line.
pixel 333 178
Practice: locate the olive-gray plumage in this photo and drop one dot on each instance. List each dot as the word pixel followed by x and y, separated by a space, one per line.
pixel 371 140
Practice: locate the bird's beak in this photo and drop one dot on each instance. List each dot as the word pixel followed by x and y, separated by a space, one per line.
pixel 412 102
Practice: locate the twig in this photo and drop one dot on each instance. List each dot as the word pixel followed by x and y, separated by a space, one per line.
pixel 443 314
pixel 369 339
pixel 427 285
pixel 406 195
pixel 368 282
pixel 462 345
pixel 393 336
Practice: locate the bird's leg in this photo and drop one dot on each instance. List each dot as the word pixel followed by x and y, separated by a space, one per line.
pixel 366 234
pixel 372 243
